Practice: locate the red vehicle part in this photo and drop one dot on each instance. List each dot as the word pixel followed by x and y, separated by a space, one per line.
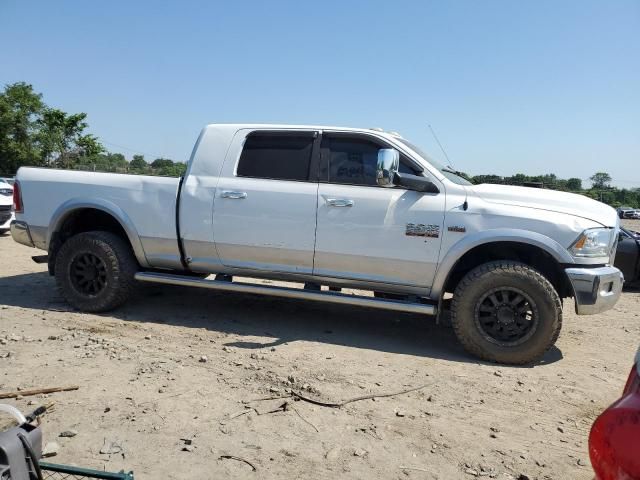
pixel 614 441
pixel 17 198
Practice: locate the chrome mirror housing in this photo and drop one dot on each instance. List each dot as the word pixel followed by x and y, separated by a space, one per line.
pixel 387 168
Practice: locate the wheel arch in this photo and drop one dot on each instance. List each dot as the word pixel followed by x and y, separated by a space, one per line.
pixel 531 248
pixel 101 213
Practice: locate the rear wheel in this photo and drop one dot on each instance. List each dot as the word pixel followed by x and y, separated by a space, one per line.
pixel 95 271
pixel 506 312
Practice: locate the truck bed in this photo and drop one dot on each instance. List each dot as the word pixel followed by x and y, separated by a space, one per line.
pixel 144 204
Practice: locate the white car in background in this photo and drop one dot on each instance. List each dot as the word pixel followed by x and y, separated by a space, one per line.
pixel 6 206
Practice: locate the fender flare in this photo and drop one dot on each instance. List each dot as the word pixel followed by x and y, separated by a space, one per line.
pixel 74 204
pixel 486 237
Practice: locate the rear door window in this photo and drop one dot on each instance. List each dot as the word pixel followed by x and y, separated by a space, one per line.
pixel 278 156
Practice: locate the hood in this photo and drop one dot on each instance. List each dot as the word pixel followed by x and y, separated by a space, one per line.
pixel 551 200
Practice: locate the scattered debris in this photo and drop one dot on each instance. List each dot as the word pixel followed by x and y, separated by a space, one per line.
pixel 68 433
pixel 239 459
pixel 111 447
pixel 418 469
pixel 38 391
pixel 355 399
pixel 360 452
pixel 50 450
pixel 305 420
pixel 333 453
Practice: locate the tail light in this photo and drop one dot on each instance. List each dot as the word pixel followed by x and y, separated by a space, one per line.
pixel 614 446
pixel 17 198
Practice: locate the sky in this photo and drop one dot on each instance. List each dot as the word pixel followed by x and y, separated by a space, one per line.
pixel 536 87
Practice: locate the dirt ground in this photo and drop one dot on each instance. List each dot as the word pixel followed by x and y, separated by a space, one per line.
pixel 169 383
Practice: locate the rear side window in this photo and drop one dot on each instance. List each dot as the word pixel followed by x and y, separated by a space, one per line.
pixel 276 156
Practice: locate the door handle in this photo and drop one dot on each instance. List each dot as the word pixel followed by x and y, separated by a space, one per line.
pixel 233 195
pixel 339 202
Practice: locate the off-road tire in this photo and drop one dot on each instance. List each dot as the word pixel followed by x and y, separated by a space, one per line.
pixel 511 275
pixel 118 268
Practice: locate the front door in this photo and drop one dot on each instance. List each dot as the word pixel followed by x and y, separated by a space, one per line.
pixel 265 205
pixel 367 232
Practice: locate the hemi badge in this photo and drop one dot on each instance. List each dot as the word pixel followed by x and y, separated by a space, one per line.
pixel 457 228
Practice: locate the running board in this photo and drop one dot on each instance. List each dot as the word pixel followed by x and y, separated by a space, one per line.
pixel 286 292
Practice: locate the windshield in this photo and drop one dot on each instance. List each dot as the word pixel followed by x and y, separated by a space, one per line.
pixel 446 171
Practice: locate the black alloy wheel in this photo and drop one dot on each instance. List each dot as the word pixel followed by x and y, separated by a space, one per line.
pixel 88 273
pixel 506 315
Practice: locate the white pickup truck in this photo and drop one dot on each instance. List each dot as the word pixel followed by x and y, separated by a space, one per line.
pixel 330 208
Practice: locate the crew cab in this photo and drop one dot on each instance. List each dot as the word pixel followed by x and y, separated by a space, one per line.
pixel 330 208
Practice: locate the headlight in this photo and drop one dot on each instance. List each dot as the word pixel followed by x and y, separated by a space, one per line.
pixel 594 242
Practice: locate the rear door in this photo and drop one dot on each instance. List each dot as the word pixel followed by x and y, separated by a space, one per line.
pixel 265 205
pixel 371 233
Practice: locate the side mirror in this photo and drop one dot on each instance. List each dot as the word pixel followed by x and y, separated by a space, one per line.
pixel 416 183
pixel 387 168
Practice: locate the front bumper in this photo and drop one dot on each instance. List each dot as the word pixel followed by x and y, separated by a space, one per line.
pixel 21 234
pixel 595 289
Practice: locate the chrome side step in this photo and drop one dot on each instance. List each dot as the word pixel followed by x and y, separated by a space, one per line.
pixel 286 292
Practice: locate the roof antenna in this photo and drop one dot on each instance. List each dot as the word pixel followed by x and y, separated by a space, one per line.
pixel 441 147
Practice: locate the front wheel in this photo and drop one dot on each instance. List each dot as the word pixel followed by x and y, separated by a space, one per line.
pixel 506 312
pixel 95 271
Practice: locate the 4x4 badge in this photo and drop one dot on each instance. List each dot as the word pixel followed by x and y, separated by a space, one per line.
pixel 457 228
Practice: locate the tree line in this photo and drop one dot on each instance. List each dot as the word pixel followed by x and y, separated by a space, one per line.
pixel 34 134
pixel 37 135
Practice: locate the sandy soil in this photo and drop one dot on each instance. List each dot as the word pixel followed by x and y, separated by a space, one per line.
pixel 168 385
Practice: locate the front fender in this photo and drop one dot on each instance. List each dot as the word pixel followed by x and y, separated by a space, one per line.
pixel 465 244
pixel 74 204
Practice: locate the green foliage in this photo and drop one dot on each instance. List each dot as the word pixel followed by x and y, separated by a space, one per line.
pixel 139 165
pixel 574 184
pixel 600 180
pixel 61 141
pixel 160 163
pixel 20 108
pixel 176 169
pixel 33 134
